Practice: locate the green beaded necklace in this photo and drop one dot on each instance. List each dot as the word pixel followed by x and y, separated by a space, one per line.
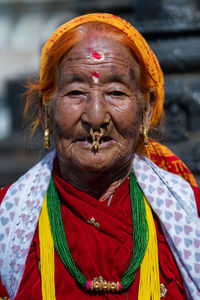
pixel 140 234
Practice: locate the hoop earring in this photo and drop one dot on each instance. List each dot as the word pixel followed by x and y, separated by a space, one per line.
pixel 46 131
pixel 144 131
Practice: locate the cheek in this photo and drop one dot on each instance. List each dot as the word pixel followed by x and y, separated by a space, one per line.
pixel 128 121
pixel 65 118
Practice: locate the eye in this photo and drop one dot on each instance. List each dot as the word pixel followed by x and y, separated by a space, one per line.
pixel 75 93
pixel 116 93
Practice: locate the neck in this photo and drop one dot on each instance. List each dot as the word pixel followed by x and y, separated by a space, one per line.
pixel 99 185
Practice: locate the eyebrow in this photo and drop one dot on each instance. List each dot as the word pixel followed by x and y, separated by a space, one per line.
pixel 120 78
pixel 74 77
pixel 82 78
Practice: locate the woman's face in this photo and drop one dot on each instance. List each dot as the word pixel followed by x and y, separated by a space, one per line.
pixel 96 89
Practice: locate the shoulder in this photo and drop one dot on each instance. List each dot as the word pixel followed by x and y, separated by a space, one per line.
pixel 164 158
pixel 3 191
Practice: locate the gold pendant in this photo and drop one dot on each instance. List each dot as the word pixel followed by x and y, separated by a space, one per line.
pixel 99 284
pixel 96 136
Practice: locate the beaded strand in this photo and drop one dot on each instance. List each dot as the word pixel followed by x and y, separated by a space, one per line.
pixel 140 240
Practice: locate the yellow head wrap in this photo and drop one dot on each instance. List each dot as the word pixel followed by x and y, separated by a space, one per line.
pixel 140 47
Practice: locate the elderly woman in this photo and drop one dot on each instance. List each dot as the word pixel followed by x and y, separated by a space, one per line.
pixel 102 216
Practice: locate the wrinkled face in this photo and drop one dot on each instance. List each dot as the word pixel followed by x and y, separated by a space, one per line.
pixel 96 89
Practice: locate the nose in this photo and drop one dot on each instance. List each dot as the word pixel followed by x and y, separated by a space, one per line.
pixel 96 112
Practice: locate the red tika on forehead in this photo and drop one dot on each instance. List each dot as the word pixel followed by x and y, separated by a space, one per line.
pixel 95 74
pixel 95 77
pixel 96 55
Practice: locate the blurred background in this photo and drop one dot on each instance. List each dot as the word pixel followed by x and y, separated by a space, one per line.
pixel 172 28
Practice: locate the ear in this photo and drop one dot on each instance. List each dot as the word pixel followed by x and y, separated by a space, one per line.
pixel 42 112
pixel 148 108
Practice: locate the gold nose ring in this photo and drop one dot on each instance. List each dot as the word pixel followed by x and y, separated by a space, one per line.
pixel 96 136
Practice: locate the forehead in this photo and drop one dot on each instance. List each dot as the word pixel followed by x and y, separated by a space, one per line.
pixel 99 53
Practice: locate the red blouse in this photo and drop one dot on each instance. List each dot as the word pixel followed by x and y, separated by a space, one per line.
pixel 105 251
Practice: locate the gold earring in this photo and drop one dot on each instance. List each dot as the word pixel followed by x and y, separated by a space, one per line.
pixel 46 131
pixel 144 129
pixel 96 136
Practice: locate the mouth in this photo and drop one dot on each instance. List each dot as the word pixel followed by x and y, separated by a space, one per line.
pixel 103 139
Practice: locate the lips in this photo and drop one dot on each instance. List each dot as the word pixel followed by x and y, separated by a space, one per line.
pixel 89 139
pixel 105 139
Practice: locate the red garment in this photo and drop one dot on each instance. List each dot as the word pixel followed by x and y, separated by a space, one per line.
pixel 105 252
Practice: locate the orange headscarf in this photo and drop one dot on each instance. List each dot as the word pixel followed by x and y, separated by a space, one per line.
pixel 140 48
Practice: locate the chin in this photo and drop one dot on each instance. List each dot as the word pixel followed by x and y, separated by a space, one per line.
pixel 85 160
pixel 97 163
